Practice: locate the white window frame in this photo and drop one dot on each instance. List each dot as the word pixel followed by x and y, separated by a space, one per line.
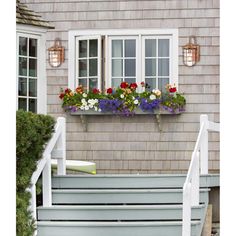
pixel 107 33
pixel 98 37
pixel 39 34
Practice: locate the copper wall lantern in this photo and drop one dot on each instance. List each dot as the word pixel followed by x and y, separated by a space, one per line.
pixel 56 54
pixel 191 52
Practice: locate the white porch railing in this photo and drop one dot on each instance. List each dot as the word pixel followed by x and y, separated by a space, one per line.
pixel 55 148
pixel 199 159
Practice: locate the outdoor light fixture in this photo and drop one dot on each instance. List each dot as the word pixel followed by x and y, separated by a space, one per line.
pixel 191 52
pixel 56 54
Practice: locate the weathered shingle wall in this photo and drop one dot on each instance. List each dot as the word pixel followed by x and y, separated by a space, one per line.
pixel 131 145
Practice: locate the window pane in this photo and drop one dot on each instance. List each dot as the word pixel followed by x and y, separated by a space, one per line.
pixel 22 103
pixel 33 67
pixel 130 48
pixel 162 82
pixel 150 67
pixel 82 68
pixel 117 48
pixel 93 67
pixel 116 82
pixel 150 47
pixel 82 48
pixel 151 83
pixel 83 82
pixel 163 67
pixel 22 87
pixel 22 66
pixel 32 87
pixel 93 48
pixel 117 67
pixel 163 48
pixel 130 80
pixel 22 46
pixel 93 83
pixel 130 67
pixel 33 105
pixel 33 47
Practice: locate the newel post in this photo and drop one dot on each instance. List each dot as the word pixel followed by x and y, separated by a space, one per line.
pixel 62 147
pixel 204 145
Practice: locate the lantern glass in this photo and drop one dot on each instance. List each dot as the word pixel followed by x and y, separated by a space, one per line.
pixel 54 58
pixel 189 56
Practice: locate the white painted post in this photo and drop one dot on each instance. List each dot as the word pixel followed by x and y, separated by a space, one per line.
pixel 61 144
pixel 47 187
pixel 204 145
pixel 195 182
pixel 33 202
pixel 186 227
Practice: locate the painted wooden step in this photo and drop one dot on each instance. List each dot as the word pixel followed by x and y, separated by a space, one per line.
pixel 120 196
pixel 114 228
pixel 128 212
pixel 129 181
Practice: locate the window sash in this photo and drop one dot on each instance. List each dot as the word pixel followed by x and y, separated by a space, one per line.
pixel 158 78
pixel 88 59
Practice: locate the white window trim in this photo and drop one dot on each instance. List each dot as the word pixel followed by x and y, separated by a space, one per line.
pixel 173 33
pixel 39 34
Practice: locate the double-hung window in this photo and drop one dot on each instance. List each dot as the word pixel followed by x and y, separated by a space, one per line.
pixel 105 58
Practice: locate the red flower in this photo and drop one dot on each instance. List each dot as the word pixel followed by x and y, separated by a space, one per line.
pixel 124 85
pixel 96 91
pixel 61 96
pixel 143 84
pixel 133 86
pixel 109 90
pixel 67 90
pixel 172 90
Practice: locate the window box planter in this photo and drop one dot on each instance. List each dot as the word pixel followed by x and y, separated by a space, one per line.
pixel 157 113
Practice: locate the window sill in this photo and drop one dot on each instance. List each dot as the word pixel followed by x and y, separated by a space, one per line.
pixel 157 113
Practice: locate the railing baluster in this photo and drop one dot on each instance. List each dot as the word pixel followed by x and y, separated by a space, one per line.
pixel 186 228
pixel 195 182
pixel 61 162
pixel 47 189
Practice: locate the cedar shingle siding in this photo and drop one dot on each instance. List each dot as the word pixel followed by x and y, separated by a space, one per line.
pixel 131 145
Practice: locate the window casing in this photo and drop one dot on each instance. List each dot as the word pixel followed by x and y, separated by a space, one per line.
pixel 128 55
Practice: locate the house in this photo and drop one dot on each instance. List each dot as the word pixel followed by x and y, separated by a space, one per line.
pixel 107 42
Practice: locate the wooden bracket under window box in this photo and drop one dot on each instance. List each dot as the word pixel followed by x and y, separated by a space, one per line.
pixel 157 113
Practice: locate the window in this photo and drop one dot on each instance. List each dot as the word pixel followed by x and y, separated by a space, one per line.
pixel 27 74
pixel 106 58
pixel 31 72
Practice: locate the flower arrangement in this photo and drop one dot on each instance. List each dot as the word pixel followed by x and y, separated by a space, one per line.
pixel 123 100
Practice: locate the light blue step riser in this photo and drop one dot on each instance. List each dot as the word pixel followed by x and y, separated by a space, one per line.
pixel 129 181
pixel 119 229
pixel 117 213
pixel 129 197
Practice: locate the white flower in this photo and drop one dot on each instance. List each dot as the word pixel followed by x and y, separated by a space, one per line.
pixel 133 98
pixel 95 100
pixel 85 95
pixel 135 101
pixel 95 108
pixel 86 108
pixel 90 105
pixel 83 100
pixel 152 97
pixel 122 96
pixel 82 108
pixel 99 110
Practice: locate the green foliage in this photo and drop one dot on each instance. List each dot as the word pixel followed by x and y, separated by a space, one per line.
pixel 32 132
